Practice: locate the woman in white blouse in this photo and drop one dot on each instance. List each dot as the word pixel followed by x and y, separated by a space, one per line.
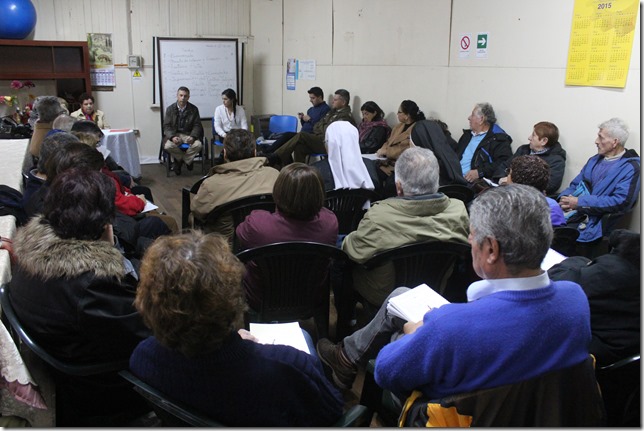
pixel 229 115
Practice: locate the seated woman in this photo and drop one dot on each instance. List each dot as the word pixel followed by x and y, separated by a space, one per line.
pixel 299 216
pixel 88 111
pixel 190 295
pixel 229 115
pixel 343 169
pixel 399 141
pixel 544 143
pixel 534 171
pixel 374 130
pixel 72 291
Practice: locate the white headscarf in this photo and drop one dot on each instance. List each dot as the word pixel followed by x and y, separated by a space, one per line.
pixel 347 167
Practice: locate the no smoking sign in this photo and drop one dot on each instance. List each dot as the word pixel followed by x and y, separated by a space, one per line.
pixel 465 42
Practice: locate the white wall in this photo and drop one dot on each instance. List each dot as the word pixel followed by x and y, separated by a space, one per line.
pixel 133 23
pixel 388 51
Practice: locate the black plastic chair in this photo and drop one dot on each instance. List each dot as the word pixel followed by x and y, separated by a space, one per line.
pixel 577 402
pixel 347 205
pixel 294 281
pixel 458 191
pixel 238 210
pixel 175 414
pixel 63 373
pixel 620 387
pixel 445 266
pixel 564 240
pixel 185 201
pixel 166 159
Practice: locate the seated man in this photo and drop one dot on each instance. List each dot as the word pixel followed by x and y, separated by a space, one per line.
pixel 47 108
pixel 182 125
pixel 417 214
pixel 612 178
pixel 305 143
pixel 612 284
pixel 534 171
pixel 243 174
pixel 485 146
pixel 517 324
pixel 314 114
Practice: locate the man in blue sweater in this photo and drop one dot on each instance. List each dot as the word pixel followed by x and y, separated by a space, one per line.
pixel 517 324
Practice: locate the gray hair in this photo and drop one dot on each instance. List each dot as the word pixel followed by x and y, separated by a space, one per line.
pixel 518 217
pixel 52 144
pixel 417 171
pixel 487 112
pixel 63 122
pixel 48 108
pixel 617 129
pixel 344 94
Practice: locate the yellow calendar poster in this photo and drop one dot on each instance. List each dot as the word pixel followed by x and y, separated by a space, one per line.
pixel 601 41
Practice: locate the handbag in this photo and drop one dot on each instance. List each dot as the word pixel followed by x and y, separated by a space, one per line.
pixel 9 129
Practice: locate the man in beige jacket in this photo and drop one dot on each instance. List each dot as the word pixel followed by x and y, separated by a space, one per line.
pixel 242 175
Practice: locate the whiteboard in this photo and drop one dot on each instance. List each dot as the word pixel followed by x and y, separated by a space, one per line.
pixel 206 66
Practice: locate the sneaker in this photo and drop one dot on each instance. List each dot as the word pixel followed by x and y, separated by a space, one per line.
pixel 189 166
pixel 333 356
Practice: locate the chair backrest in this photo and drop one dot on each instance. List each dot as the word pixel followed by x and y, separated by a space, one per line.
pixel 348 206
pixel 171 413
pixel 566 397
pixel 620 386
pixel 282 123
pixel 458 191
pixel 294 280
pixel 185 200
pixel 18 329
pixel 429 262
pixel 564 240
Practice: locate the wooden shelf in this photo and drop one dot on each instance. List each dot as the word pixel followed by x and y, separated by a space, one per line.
pixel 65 62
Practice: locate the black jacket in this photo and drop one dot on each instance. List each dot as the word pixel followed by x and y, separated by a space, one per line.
pixel 429 134
pixel 555 157
pixel 491 152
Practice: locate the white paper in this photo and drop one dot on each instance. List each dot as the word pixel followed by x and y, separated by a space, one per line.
pixel 149 206
pixel 415 303
pixel 287 334
pixel 552 258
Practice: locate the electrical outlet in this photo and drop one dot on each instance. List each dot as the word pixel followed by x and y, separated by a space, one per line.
pixel 137 132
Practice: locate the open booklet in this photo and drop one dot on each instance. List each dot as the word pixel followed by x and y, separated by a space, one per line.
pixel 413 304
pixel 552 258
pixel 288 334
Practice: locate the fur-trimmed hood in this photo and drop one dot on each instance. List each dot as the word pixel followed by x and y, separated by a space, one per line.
pixel 40 252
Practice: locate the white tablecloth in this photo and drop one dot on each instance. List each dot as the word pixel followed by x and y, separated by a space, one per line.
pixel 13 154
pixel 124 149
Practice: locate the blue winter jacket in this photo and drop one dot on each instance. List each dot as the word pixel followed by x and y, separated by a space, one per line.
pixel 615 195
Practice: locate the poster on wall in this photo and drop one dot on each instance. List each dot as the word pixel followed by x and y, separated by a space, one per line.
pixel 101 60
pixel 601 41
pixel 306 70
pixel 291 66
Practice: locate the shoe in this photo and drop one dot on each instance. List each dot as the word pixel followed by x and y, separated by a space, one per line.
pixel 189 166
pixel 333 356
pixel 177 168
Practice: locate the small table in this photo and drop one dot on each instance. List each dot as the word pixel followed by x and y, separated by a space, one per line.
pixel 124 149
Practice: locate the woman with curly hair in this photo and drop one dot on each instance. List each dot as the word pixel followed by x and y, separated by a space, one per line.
pixel 190 295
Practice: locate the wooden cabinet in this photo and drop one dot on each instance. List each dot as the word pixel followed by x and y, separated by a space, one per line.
pixel 66 63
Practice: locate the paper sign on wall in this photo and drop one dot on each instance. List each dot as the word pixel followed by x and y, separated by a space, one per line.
pixel 482 40
pixel 465 44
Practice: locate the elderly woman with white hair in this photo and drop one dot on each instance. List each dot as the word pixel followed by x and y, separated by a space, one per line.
pixel 345 168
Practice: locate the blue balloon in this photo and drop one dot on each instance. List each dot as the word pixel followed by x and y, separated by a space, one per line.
pixel 17 18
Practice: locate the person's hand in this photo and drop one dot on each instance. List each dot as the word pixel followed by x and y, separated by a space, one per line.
pixel 503 181
pixel 247 335
pixel 142 197
pixel 568 203
pixel 190 140
pixel 306 118
pixel 410 327
pixel 472 176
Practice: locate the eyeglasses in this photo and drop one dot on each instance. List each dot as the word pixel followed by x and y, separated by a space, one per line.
pixel 507 171
pixel 400 112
